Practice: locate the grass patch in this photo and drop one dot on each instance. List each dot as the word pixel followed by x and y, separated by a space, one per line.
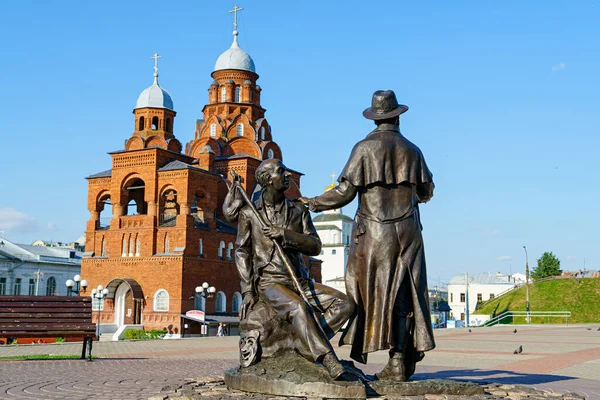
pixel 578 296
pixel 43 357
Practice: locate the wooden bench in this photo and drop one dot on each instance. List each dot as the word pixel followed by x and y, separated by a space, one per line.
pixel 48 316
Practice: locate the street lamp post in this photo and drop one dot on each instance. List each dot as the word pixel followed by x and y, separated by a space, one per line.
pixel 527 285
pixel 99 294
pixel 75 286
pixel 206 291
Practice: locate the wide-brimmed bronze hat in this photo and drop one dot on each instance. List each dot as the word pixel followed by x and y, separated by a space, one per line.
pixel 384 105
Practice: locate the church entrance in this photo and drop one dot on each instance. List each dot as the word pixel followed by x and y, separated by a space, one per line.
pixel 128 300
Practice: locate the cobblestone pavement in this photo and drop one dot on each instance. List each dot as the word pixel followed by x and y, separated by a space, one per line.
pixel 555 358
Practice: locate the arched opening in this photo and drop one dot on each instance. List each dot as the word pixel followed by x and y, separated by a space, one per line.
pixel 136 205
pixel 223 94
pixel 213 130
pixel 270 153
pixel 105 212
pixel 169 208
pixel 262 133
pixel 138 244
pixel 141 123
pixel 154 123
pixel 239 129
pixel 124 247
pixel 167 247
pixel 237 94
pixel 168 127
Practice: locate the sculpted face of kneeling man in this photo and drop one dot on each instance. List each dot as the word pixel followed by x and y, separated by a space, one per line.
pixel 264 276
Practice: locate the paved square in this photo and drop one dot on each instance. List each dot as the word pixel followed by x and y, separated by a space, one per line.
pixel 555 358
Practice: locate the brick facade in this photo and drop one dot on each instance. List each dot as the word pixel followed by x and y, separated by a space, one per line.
pixel 166 225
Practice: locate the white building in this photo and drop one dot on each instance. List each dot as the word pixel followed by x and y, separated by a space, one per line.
pixel 334 229
pixel 481 287
pixel 36 270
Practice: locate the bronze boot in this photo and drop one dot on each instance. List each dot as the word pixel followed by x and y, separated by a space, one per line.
pixel 394 369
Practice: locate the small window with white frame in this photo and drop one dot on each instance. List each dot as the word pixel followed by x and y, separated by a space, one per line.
pixel 161 301
pixel 238 97
pixel 239 129
pixel 213 129
pixel 270 153
pixel 97 304
pixel 223 94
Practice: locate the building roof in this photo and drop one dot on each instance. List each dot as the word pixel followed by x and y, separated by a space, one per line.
pixel 155 97
pixel 103 174
pixel 176 164
pixel 327 227
pixel 41 254
pixel 235 58
pixel 483 278
pixel 327 217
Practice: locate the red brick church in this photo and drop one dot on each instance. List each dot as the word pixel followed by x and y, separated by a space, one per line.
pixel 156 229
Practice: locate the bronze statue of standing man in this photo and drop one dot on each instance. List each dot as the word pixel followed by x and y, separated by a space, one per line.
pixel 386 274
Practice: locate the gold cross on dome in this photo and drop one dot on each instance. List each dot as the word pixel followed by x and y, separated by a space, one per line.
pixel 235 11
pixel 156 57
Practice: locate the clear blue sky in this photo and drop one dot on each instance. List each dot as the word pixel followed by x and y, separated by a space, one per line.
pixel 504 102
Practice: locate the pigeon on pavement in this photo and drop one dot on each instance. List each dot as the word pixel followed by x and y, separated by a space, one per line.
pixel 519 350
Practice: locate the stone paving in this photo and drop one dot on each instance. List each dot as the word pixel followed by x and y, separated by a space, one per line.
pixel 555 358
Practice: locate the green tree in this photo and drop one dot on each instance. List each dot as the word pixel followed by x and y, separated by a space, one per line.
pixel 547 265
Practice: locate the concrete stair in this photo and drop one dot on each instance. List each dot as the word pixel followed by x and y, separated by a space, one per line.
pixel 106 337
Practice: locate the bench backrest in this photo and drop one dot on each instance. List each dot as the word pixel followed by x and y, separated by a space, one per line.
pixel 48 316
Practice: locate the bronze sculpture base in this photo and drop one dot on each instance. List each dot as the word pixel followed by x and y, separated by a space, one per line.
pixel 423 387
pixel 291 375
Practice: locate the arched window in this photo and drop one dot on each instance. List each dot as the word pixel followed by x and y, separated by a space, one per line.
pixel 154 123
pixel 238 97
pixel 250 95
pixel 335 238
pixel 166 244
pixel 124 249
pixel 270 153
pixel 138 244
pixel 161 301
pixel 141 123
pixel 199 302
pixel 201 248
pixel 213 129
pixel 51 286
pixel 236 301
pixel 221 302
pixel 223 94
pixel 229 251
pixel 240 129
pixel 262 133
pixel 221 248
pixel 103 251
pixel 168 125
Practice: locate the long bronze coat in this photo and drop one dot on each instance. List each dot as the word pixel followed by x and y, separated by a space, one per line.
pixel 390 176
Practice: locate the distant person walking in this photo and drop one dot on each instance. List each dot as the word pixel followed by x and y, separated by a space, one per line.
pixel 220 330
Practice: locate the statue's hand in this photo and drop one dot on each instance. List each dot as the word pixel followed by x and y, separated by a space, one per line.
pixel 273 233
pixel 247 303
pixel 304 200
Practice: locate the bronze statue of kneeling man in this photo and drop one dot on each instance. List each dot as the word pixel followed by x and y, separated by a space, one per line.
pixel 282 311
